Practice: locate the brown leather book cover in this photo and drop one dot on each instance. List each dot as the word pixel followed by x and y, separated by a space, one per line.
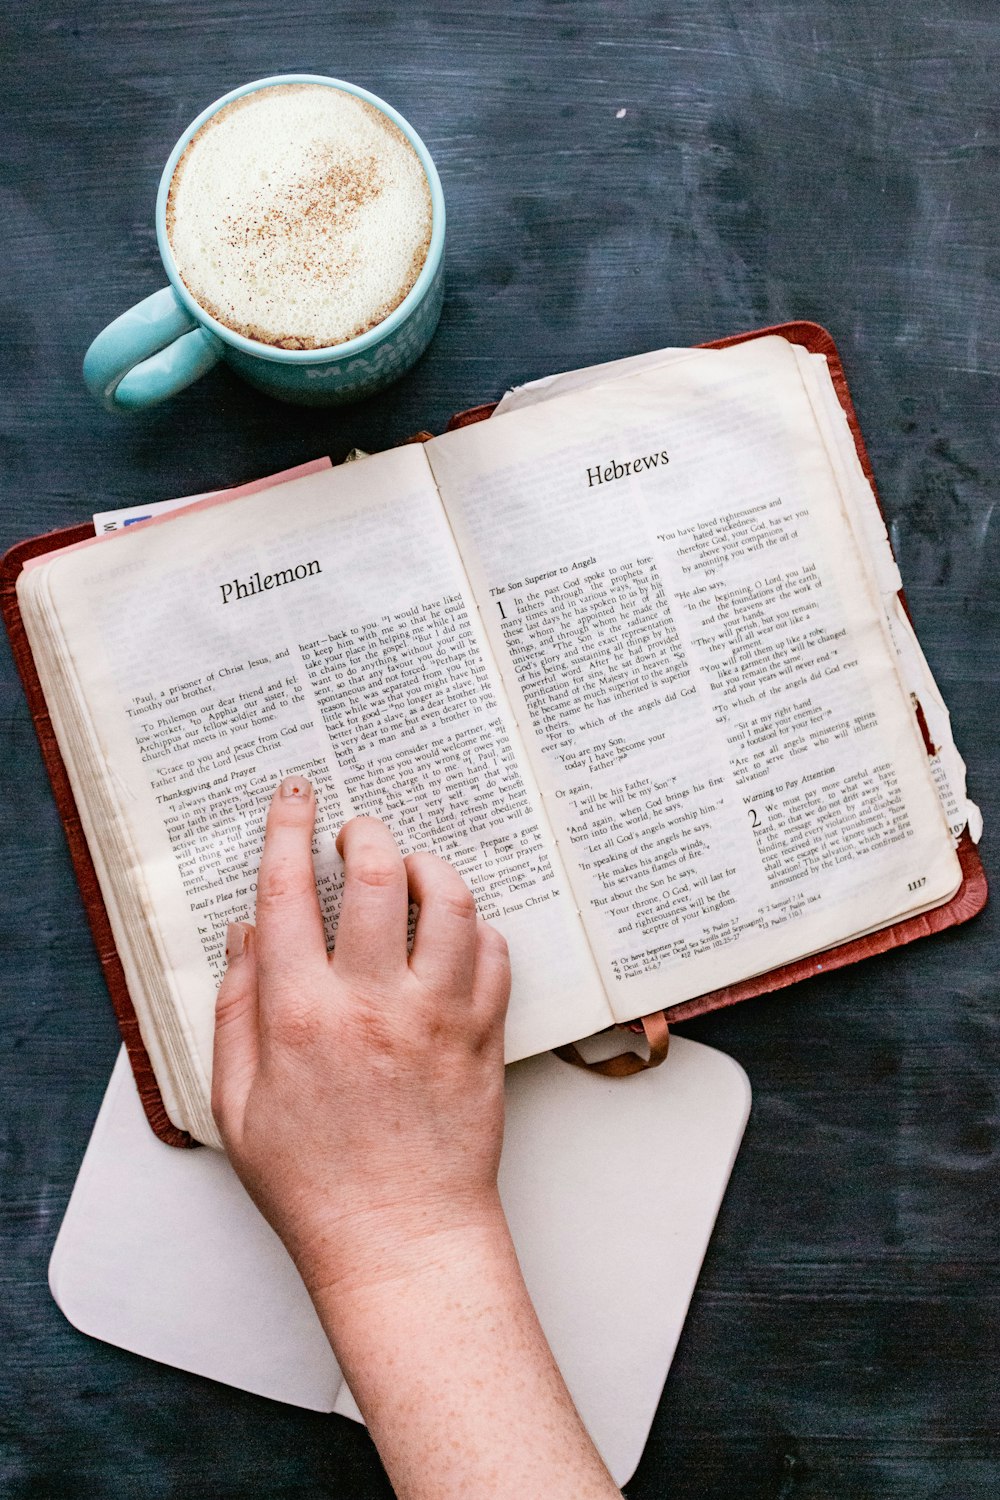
pixel 968 900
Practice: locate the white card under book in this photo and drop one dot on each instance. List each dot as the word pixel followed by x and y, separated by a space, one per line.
pixel 611 1188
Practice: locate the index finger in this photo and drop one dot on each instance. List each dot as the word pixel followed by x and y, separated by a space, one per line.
pixel 290 937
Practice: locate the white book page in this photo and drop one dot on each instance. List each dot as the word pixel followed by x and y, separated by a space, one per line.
pixel 946 764
pixel 572 380
pixel 333 636
pixel 699 669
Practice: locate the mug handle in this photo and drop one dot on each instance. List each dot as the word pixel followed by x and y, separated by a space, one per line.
pixel 150 352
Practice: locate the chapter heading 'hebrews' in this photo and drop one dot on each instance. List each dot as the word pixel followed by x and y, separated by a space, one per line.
pixel 607 473
pixel 240 589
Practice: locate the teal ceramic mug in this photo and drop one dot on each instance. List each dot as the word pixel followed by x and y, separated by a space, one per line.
pixel 168 341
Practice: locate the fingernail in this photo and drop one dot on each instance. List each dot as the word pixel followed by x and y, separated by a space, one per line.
pixel 237 937
pixel 296 786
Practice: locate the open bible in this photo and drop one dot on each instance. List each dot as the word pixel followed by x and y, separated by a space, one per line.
pixel 630 655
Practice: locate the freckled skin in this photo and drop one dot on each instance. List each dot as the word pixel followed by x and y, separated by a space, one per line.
pixel 360 1099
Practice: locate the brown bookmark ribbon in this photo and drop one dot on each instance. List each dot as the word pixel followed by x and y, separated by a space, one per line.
pixel 657 1034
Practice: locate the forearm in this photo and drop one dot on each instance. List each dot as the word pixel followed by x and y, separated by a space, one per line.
pixel 447 1361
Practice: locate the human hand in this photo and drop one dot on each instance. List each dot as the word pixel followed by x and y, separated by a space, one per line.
pixel 360 1094
pixel 360 1098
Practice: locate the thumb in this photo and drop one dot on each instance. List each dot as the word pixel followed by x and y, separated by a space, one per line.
pixel 235 1055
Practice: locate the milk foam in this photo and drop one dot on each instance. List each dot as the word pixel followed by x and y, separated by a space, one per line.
pixel 299 216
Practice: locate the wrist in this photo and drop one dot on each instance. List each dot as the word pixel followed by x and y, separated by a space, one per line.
pixel 356 1253
pixel 446 1359
pixel 426 1293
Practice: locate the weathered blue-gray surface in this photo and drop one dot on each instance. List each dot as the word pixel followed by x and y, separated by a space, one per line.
pixel 778 159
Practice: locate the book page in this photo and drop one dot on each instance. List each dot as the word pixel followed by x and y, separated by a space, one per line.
pixel 335 637
pixel 700 671
pixel 862 508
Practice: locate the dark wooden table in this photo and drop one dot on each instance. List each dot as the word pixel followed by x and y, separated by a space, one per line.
pixel 618 177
